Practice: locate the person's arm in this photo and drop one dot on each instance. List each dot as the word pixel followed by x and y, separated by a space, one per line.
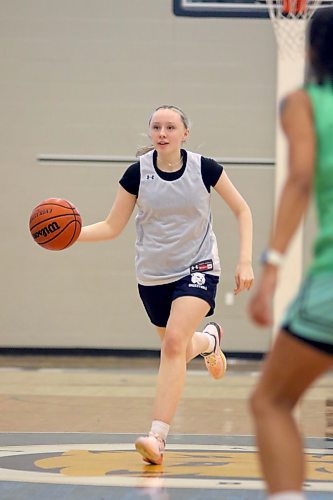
pixel 235 201
pixel 297 123
pixel 115 222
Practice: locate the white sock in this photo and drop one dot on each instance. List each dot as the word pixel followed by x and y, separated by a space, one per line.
pixel 287 495
pixel 211 344
pixel 160 428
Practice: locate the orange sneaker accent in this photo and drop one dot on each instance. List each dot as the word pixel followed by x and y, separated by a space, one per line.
pixel 216 362
pixel 151 448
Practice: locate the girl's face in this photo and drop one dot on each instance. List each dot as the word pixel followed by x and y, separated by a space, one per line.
pixel 167 131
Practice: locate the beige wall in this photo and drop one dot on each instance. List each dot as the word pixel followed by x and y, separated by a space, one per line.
pixel 81 78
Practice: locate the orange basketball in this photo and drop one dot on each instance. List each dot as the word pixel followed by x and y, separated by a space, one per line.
pixel 55 224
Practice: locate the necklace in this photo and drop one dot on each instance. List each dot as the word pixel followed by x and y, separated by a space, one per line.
pixel 174 163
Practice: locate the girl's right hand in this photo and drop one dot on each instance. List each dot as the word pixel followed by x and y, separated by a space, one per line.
pixel 261 304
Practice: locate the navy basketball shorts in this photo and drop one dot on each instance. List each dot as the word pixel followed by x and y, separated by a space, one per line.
pixel 157 299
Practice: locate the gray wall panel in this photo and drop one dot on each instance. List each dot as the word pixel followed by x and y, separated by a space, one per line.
pixel 82 78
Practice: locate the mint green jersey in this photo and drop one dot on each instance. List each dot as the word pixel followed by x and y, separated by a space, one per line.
pixel 321 97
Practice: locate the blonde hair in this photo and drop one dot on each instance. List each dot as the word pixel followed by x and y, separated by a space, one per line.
pixel 145 149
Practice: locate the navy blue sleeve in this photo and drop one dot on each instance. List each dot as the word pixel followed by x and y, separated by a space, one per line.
pixel 211 172
pixel 130 180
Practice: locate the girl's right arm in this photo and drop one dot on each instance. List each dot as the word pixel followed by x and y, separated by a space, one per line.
pixel 115 222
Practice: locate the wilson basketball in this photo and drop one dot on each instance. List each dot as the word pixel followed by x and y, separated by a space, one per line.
pixel 55 224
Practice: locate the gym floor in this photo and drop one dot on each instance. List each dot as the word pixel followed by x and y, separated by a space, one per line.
pixel 68 425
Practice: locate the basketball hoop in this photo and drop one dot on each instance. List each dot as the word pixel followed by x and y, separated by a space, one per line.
pixel 289 18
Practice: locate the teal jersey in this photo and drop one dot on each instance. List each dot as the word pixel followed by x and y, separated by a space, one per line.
pixel 321 97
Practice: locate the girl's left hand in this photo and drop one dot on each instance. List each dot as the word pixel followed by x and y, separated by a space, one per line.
pixel 243 277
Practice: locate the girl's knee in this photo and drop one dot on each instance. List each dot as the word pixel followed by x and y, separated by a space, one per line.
pixel 173 344
pixel 263 402
pixel 257 403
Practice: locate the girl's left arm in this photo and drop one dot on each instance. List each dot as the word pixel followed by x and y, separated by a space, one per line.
pixel 244 272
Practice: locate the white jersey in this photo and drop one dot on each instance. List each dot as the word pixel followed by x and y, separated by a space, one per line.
pixel 174 225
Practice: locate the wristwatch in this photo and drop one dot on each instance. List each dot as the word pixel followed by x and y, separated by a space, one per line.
pixel 273 257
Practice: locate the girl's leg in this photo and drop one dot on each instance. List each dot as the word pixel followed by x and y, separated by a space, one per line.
pixel 199 343
pixel 185 316
pixel 289 370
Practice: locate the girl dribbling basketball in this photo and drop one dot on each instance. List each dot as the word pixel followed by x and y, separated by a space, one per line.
pixel 177 261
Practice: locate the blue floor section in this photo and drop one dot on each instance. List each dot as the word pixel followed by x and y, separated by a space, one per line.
pixel 190 470
pixel 27 491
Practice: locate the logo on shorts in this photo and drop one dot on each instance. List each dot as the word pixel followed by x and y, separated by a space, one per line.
pixel 198 278
pixel 198 281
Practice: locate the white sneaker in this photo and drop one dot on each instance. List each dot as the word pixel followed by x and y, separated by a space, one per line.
pixel 151 448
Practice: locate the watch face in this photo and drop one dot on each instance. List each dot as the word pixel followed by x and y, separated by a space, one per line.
pixel 272 257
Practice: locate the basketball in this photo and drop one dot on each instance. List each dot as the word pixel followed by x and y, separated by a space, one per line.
pixel 55 224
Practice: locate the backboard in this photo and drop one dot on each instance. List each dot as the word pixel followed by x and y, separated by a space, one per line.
pixel 221 8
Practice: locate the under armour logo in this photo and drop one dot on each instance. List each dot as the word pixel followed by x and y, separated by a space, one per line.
pixel 150 176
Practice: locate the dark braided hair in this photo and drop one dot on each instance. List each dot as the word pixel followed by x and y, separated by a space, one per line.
pixel 320 40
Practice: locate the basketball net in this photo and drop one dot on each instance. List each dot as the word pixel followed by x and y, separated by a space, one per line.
pixel 289 19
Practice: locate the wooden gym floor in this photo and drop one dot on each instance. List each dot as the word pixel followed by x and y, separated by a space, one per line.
pixel 67 427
